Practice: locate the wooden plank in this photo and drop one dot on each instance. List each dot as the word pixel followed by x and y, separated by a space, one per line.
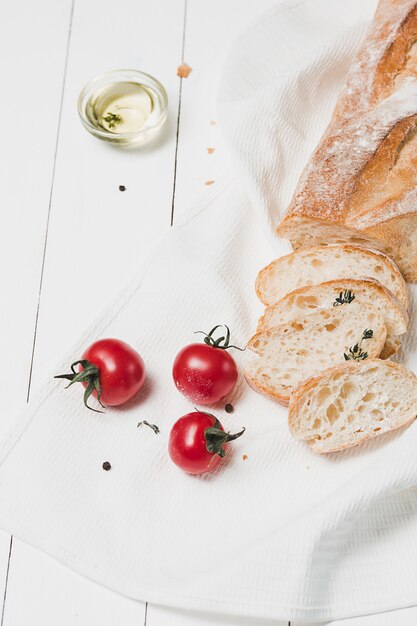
pixel 211 28
pixel 42 592
pixel 32 81
pixel 98 235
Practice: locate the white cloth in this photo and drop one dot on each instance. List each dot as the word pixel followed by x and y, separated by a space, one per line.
pixel 285 533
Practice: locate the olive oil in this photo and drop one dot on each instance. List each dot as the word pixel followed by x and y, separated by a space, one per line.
pixel 120 108
pixel 123 107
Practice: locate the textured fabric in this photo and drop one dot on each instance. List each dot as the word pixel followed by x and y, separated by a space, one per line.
pixel 285 533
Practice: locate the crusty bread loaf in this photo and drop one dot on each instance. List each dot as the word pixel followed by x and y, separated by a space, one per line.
pixel 289 353
pixel 346 405
pixel 360 184
pixel 312 266
pixel 387 58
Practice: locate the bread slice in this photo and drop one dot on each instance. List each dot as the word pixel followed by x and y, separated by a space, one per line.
pixel 348 404
pixel 289 353
pixel 308 299
pixel 311 266
pixel 324 295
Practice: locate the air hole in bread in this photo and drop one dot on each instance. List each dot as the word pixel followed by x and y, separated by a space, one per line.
pixel 309 302
pixel 316 263
pixel 360 430
pixel 317 424
pixel 376 429
pixel 323 394
pixel 347 387
pixel 351 418
pixel 297 326
pixel 377 415
pixel 368 397
pixel 330 327
pixel 328 435
pixel 301 352
pixel 332 414
pixel 256 344
pixel 379 269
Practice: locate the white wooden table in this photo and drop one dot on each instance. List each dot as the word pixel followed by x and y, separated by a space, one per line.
pixel 70 238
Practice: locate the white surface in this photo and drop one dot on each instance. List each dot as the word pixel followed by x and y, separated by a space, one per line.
pixel 40 591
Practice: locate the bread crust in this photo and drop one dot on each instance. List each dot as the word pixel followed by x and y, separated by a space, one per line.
pixel 260 388
pixel 381 59
pixel 369 129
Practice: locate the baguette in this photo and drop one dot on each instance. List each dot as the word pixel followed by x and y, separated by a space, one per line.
pixel 289 353
pixel 387 58
pixel 348 404
pixel 360 184
pixel 312 266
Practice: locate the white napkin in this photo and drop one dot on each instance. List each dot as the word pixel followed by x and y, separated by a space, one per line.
pixel 285 533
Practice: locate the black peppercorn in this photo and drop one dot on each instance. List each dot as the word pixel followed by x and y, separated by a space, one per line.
pixel 122 188
pixel 229 408
pixel 106 466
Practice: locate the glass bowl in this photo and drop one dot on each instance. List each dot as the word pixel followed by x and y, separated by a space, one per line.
pixel 123 107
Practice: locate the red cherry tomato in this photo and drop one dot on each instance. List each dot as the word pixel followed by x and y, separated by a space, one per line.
pixel 196 442
pixel 111 370
pixel 204 372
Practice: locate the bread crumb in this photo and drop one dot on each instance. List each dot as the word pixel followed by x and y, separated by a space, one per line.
pixel 209 182
pixel 213 123
pixel 184 70
pixel 210 150
pixel 244 457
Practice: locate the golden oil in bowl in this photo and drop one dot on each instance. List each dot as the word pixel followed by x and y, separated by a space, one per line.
pixel 125 107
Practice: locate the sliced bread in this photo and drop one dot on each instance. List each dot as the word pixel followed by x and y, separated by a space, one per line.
pixel 337 293
pixel 291 352
pixel 348 404
pixel 311 266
